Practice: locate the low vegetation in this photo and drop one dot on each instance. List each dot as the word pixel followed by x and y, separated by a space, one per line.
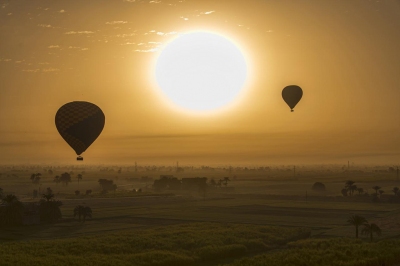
pixel 329 252
pixel 199 216
pixel 186 244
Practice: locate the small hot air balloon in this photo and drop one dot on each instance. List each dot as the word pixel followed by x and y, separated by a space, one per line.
pixel 292 95
pixel 79 124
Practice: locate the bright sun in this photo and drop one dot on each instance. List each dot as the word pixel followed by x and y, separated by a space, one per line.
pixel 201 71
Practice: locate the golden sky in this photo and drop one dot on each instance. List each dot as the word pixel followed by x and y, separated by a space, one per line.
pixel 344 54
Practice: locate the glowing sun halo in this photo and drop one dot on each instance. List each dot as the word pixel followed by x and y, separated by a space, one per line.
pixel 201 71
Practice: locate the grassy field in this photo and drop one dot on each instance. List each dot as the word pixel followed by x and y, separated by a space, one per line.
pixel 184 244
pixel 258 220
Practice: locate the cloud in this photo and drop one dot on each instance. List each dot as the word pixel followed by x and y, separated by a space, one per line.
pixel 50 69
pixel 151 50
pixel 116 22
pixel 154 2
pixel 5 60
pixel 53 46
pixel 79 32
pixel 77 47
pixel 45 25
pixel 61 11
pixel 9 14
pixel 160 33
pixel 126 35
pixel 31 70
pixel 129 1
pixel 207 12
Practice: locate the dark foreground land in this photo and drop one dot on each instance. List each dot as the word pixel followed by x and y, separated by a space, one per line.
pixel 259 222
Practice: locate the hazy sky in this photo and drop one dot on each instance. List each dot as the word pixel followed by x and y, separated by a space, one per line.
pixel 344 54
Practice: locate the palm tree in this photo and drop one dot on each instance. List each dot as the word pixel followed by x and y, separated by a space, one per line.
pixel 376 188
pixel 49 209
pixel 82 211
pixel 381 192
pixel 10 198
pixel 370 229
pixel 360 190
pixel 87 212
pixel 33 177
pixel 349 185
pixel 79 176
pixel 12 213
pixel 352 188
pixel 49 195
pixel 356 221
pixel 78 211
pixel 395 190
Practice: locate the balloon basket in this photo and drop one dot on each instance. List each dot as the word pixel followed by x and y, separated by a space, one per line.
pixel 292 110
pixel 79 158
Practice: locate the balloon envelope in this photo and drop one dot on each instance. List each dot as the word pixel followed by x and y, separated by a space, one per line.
pixel 79 124
pixel 292 95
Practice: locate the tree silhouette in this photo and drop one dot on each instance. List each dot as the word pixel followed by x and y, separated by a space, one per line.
pixel 344 192
pixel 82 211
pixel 107 185
pixel 9 199
pixel 48 195
pixel 356 221
pixel 49 209
pixel 57 179
pixel 376 188
pixel 360 190
pixel 381 192
pixel 35 178
pixel 12 212
pixel 352 188
pixel 395 190
pixel 348 183
pixel 65 178
pixel 79 177
pixel 225 181
pixel 370 229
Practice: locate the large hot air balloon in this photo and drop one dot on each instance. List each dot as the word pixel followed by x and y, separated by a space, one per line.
pixel 79 124
pixel 292 95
